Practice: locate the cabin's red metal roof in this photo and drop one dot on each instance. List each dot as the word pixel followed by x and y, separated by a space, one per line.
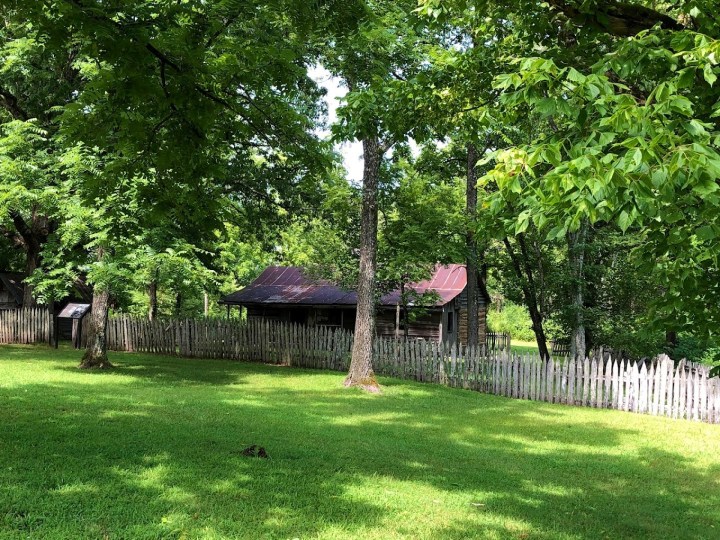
pixel 288 285
pixel 448 281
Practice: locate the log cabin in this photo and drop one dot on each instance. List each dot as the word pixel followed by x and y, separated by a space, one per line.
pixel 288 294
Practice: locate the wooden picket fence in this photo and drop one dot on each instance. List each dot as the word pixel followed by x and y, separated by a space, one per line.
pixel 658 387
pixel 497 341
pixel 25 326
pixel 257 341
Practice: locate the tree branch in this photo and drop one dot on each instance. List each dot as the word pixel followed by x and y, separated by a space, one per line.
pixel 10 103
pixel 616 18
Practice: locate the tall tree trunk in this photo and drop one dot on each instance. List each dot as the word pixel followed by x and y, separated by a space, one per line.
pixel 31 237
pixel 471 268
pixel 405 313
pixel 178 304
pixel 152 297
pixel 523 270
pixel 32 262
pixel 361 372
pixel 576 259
pixel 206 304
pixel 397 321
pixel 96 352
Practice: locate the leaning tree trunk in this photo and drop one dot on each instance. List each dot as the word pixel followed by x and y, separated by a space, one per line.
pixel 361 372
pixel 523 271
pixel 96 352
pixel 576 259
pixel 471 268
pixel 178 304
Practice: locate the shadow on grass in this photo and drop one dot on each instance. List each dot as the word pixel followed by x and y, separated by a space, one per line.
pixel 148 461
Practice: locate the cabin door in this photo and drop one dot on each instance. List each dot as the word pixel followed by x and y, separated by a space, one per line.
pixel 450 326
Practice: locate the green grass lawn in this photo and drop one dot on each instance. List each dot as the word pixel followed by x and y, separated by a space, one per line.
pixel 523 347
pixel 154 450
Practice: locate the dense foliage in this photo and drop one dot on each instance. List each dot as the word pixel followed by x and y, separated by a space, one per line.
pixel 167 152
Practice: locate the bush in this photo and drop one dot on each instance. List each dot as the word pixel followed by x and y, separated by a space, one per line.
pixel 694 350
pixel 513 319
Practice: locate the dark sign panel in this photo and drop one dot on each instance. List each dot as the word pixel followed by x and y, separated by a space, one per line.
pixel 74 311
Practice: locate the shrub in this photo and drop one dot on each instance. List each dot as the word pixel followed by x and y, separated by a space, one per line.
pixel 513 319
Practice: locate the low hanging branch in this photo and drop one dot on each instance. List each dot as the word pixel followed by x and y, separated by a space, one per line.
pixel 616 18
pixel 10 103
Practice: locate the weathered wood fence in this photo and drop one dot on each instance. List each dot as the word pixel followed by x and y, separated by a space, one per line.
pixel 28 325
pixel 658 387
pixel 497 341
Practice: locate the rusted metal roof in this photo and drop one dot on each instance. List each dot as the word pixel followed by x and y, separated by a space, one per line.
pixel 447 281
pixel 288 285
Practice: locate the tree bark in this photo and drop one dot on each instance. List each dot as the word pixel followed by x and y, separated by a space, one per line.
pixel 152 298
pixel 206 304
pixel 31 238
pixel 95 356
pixel 471 267
pixel 576 259
pixel 178 304
pixel 361 373
pixel 671 339
pixel 32 262
pixel 525 275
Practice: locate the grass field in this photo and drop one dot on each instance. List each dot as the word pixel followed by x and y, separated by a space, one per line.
pixel 154 450
pixel 523 347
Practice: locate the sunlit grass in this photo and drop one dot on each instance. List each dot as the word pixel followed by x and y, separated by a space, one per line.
pixel 523 347
pixel 154 450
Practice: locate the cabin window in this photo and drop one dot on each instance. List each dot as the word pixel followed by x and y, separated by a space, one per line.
pixel 299 316
pixel 451 322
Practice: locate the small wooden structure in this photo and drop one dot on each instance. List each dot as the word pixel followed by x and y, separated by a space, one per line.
pixel 11 297
pixel 11 290
pixel 75 312
pixel 288 294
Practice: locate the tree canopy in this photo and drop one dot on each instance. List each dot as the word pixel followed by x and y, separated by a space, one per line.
pixel 568 151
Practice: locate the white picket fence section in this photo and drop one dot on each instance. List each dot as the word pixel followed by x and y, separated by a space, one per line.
pixel 658 387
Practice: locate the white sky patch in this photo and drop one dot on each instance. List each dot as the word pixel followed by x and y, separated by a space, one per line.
pixel 351 151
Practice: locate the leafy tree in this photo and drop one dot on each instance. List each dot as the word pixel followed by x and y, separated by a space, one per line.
pixel 215 117
pixel 632 142
pixel 374 61
pixel 37 79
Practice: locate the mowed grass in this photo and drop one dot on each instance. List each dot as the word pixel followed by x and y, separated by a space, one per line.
pixel 154 450
pixel 524 347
